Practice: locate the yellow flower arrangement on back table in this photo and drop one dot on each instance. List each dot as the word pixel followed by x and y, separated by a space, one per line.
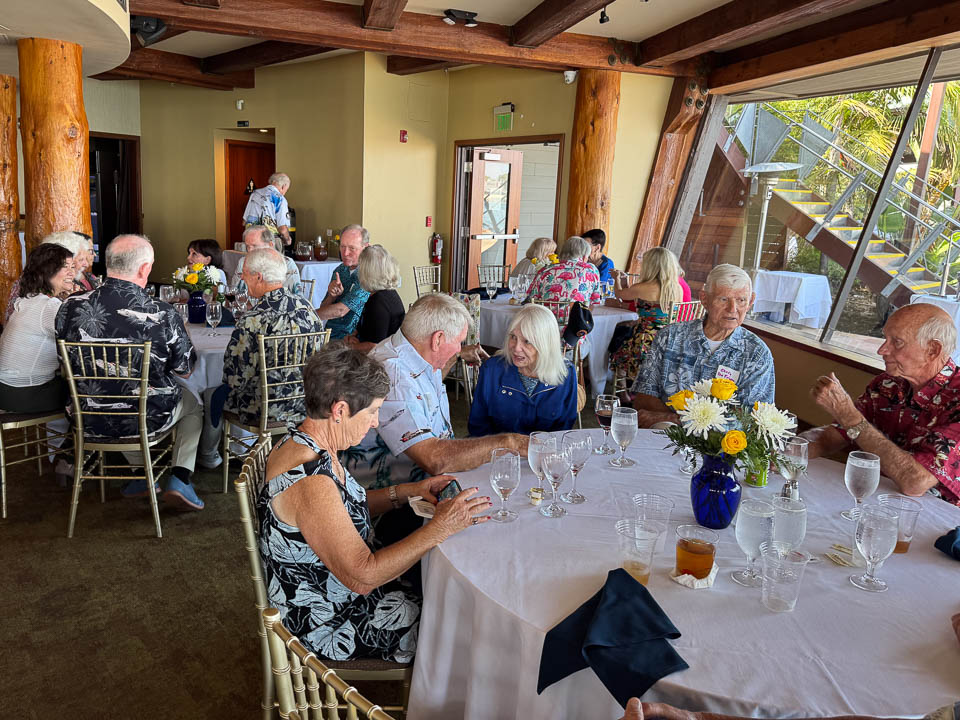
pixel 715 425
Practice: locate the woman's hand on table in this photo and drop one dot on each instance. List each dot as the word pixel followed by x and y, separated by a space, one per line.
pixel 429 488
pixel 458 513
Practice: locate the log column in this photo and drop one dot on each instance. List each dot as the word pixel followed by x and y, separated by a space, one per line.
pixel 9 195
pixel 55 135
pixel 591 153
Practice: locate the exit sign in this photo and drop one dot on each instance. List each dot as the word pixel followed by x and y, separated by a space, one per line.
pixel 503 117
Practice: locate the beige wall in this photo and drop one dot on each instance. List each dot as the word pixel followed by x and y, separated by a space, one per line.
pixel 400 179
pixel 316 109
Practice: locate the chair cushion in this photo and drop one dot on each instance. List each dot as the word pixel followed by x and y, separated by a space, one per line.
pixel 369 664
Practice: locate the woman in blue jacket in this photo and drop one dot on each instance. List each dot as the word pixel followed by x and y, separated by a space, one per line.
pixel 527 385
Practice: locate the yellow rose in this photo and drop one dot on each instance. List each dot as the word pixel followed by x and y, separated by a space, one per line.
pixel 733 442
pixel 722 389
pixel 678 401
pixel 191 279
pixel 554 258
pixel 197 267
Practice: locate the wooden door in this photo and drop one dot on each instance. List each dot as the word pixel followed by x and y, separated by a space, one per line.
pixel 243 162
pixel 494 210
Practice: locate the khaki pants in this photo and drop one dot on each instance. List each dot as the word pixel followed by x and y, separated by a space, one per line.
pixel 188 417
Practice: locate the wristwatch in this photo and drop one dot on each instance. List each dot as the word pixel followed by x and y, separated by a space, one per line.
pixel 854 432
pixel 394 500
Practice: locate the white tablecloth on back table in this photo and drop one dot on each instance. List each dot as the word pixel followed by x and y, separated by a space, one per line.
pixel 492 592
pixel 208 369
pixel 952 308
pixel 495 317
pixel 808 296
pixel 321 273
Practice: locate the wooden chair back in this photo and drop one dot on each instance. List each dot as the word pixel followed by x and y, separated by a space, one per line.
pixel 427 278
pixel 686 311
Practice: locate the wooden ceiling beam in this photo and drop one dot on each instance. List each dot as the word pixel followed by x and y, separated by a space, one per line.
pixel 254 56
pixel 731 23
pixel 319 22
pixel 400 65
pixel 382 14
pixel 209 4
pixel 550 18
pixel 148 64
pixel 922 25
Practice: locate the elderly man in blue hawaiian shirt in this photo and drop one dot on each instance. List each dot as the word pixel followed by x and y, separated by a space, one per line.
pixel 345 299
pixel 268 206
pixel 716 346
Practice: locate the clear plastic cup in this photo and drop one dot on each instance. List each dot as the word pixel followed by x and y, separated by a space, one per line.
pixel 909 510
pixel 638 540
pixel 654 509
pixel 782 572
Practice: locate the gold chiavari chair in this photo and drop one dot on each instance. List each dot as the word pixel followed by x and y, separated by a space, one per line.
pixel 120 371
pixel 493 273
pixel 281 362
pixel 299 673
pixel 306 289
pixel 686 311
pixel 247 486
pixel 40 443
pixel 427 278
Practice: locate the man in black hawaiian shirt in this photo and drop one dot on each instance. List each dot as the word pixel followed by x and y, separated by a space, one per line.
pixel 121 311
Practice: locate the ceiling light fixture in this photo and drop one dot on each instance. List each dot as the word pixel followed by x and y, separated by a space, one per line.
pixel 264 130
pixel 452 17
pixel 604 18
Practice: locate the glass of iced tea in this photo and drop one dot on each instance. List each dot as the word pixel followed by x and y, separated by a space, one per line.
pixel 638 540
pixel 696 547
pixel 909 510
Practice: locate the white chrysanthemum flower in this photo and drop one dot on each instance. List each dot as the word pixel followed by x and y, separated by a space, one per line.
pixel 702 387
pixel 773 424
pixel 702 415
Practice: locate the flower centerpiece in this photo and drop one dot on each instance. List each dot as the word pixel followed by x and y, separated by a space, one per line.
pixel 727 435
pixel 196 279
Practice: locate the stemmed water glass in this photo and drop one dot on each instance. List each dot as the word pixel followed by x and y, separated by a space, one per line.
pixel 504 477
pixel 795 460
pixel 491 286
pixel 581 448
pixel 604 408
pixel 876 536
pixel 167 293
pixel 861 476
pixel 755 525
pixel 243 298
pixel 214 315
pixel 512 283
pixel 540 444
pixel 623 427
pixel 789 521
pixel 556 464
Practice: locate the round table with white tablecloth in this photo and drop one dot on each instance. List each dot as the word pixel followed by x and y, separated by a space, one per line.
pixel 493 591
pixel 806 295
pixel 495 317
pixel 209 345
pixel 321 272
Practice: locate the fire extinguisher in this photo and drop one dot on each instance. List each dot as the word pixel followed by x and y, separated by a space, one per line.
pixel 436 248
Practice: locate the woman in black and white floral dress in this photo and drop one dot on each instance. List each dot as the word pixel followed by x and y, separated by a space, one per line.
pixel 335 586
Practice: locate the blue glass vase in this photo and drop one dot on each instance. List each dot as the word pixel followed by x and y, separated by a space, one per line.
pixel 714 492
pixel 197 308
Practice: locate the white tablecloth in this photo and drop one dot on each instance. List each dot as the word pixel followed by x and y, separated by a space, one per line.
pixel 321 273
pixel 952 308
pixel 208 370
pixel 808 296
pixel 492 592
pixel 495 317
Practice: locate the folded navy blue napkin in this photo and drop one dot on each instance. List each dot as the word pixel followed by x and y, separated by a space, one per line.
pixel 217 401
pixel 620 633
pixel 950 543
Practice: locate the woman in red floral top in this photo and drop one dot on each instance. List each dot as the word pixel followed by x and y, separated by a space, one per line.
pixel 572 279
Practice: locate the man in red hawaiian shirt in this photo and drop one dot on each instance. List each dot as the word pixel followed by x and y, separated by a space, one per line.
pixel 909 415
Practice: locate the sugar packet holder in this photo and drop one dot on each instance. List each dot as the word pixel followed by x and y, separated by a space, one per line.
pixel 690 581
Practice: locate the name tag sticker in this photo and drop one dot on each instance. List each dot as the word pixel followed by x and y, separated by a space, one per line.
pixel 728 373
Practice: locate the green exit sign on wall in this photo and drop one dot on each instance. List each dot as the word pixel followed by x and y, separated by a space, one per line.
pixel 503 118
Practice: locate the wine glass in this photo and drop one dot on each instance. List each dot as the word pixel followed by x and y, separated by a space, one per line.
pixel 243 298
pixel 688 461
pixel 184 311
pixel 512 283
pixel 755 524
pixel 556 464
pixel 876 536
pixel 491 286
pixel 789 521
pixel 167 293
pixel 861 476
pixel 214 315
pixel 504 477
pixel 580 446
pixel 540 443
pixel 604 407
pixel 795 452
pixel 623 427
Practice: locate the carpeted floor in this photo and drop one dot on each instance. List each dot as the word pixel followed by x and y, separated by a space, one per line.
pixel 117 622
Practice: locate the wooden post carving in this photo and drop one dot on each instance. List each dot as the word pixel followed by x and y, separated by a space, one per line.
pixel 55 135
pixel 591 154
pixel 9 194
pixel 684 111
